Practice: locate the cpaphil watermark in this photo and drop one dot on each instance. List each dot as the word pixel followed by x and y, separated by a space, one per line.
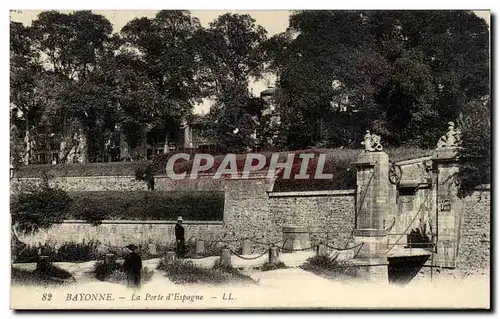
pixel 295 166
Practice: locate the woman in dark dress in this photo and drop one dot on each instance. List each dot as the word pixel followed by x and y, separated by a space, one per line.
pixel 132 266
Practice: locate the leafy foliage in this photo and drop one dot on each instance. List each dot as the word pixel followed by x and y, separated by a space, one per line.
pixel 232 54
pixel 475 152
pixel 144 172
pixel 268 266
pixel 399 73
pixel 38 207
pixel 185 272
pixel 52 276
pixel 144 205
pixel 331 268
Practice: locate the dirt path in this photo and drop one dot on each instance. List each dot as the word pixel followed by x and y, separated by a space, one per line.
pixel 291 287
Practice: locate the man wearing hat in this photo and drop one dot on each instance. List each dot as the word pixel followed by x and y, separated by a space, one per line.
pixel 179 237
pixel 132 266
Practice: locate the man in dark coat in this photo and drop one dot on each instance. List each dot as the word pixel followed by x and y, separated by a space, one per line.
pixel 132 266
pixel 179 238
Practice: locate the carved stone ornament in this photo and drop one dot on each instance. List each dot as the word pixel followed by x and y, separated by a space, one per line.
pixel 372 142
pixel 451 138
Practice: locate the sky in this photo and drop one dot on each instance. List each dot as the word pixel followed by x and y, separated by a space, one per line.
pixel 273 21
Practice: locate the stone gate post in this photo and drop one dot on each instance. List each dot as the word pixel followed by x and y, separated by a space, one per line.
pixel 372 209
pixel 449 206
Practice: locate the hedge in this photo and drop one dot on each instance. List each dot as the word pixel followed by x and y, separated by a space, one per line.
pixel 146 205
pixel 78 169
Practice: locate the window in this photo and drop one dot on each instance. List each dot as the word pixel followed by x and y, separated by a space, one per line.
pixel 55 158
pixel 149 138
pixel 161 139
pixel 159 151
pixel 54 146
pixel 40 158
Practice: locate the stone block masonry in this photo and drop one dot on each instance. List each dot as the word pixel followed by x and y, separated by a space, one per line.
pixel 328 214
pixel 474 247
pixel 250 210
pixel 119 233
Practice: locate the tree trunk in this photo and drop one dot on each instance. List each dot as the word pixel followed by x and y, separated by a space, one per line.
pixel 28 147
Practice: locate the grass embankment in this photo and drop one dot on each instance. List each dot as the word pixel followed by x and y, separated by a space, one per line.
pixel 184 272
pixel 330 268
pixel 51 276
pixel 113 272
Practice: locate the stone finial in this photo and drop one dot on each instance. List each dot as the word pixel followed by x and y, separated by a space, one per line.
pixel 372 142
pixel 451 139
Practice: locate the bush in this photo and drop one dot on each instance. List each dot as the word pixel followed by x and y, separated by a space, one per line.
pixel 114 273
pixel 330 268
pixel 53 271
pixel 144 172
pixel 185 272
pixel 39 207
pixel 76 252
pixel 268 266
pixel 28 254
pixel 67 252
pixel 104 270
pixel 77 169
pixel 51 275
pixel 144 205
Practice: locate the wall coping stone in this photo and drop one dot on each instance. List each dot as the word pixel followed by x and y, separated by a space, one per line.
pixel 340 192
pixel 204 176
pixel 483 187
pixel 414 160
pixel 128 177
pixel 165 222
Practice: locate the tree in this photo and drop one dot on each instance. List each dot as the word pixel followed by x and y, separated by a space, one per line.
pixel 67 50
pixel 25 108
pixel 164 55
pixel 34 208
pixel 232 53
pixel 405 72
pixel 475 152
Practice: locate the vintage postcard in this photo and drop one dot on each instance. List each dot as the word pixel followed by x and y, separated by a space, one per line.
pixel 323 159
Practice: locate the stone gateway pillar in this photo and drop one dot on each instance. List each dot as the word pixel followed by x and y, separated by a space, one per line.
pixel 372 209
pixel 449 206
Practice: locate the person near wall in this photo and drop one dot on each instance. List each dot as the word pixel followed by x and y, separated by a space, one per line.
pixel 132 266
pixel 179 238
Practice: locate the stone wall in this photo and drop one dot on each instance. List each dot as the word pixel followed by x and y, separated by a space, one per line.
pixel 329 214
pixel 119 233
pixel 474 237
pixel 250 210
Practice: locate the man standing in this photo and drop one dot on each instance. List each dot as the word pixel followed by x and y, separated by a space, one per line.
pixel 132 266
pixel 179 237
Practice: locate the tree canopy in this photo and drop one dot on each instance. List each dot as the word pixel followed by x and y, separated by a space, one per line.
pixel 404 72
pixel 401 74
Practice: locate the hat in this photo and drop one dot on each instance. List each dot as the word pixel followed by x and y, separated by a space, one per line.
pixel 179 218
pixel 132 247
